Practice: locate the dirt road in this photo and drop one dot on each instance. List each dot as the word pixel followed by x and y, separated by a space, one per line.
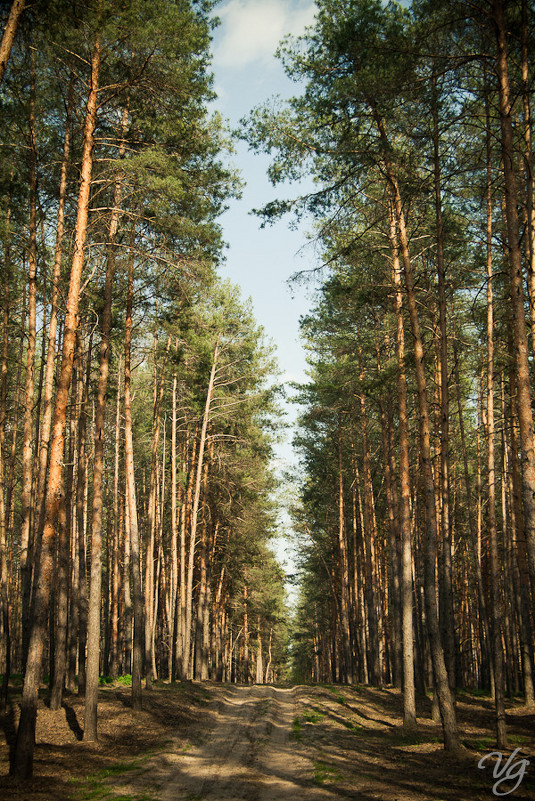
pixel 315 743
pixel 210 742
pixel 248 754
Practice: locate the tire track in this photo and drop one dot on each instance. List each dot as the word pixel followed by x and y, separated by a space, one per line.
pixel 248 755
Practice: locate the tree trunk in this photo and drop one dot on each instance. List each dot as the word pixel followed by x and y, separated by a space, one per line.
pixel 528 170
pixel 245 633
pixel 114 556
pixel 445 698
pixel 81 490
pixel 63 540
pixel 344 569
pixel 133 530
pixel 17 7
pixel 369 538
pixel 173 583
pixel 24 748
pixel 150 588
pixel 409 695
pixel 195 510
pixel 201 652
pixel 4 570
pixel 53 324
pixel 521 359
pixel 496 590
pixel 447 617
pixel 259 678
pixel 28 430
pixel 95 589
pixel 390 469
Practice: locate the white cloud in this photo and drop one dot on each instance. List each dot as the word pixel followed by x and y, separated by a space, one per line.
pixel 251 29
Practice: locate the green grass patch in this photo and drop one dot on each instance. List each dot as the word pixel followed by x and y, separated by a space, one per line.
pixel 488 743
pixel 295 733
pixel 479 743
pixel 477 693
pixel 263 706
pixel 355 728
pixel 107 681
pixel 341 699
pixel 96 788
pixel 15 679
pixel 325 773
pixel 312 715
pixel 116 770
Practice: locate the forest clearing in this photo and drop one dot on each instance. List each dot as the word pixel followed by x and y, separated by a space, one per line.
pixel 143 601
pixel 266 743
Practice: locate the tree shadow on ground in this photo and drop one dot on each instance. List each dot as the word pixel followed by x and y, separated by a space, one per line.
pixel 72 720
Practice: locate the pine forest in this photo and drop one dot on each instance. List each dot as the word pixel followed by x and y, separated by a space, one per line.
pixel 141 404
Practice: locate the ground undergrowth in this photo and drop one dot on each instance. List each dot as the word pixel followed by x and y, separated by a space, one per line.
pixel 352 738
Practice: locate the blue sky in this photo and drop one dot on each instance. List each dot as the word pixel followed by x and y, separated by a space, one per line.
pixel 259 260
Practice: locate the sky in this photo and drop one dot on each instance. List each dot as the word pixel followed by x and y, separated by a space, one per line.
pixel 261 261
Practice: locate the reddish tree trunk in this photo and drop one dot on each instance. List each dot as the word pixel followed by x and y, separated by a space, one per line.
pixel 24 748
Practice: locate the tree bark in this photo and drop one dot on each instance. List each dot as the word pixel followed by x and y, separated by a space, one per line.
pixel 496 589
pixel 116 546
pixel 409 695
pixel 173 588
pixel 59 662
pixel 447 616
pixel 4 568
pixel 150 588
pixel 344 569
pixel 24 748
pixel 133 530
pixel 53 324
pixel 8 37
pixel 521 359
pixel 28 430
pixel 95 589
pixel 445 698
pixel 195 509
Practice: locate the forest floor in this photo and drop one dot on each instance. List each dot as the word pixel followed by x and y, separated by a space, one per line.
pixel 197 741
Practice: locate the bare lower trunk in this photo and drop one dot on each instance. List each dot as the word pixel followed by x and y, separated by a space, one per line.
pixel 447 616
pixel 245 634
pixel 57 686
pixel 344 570
pixel 521 359
pixel 95 590
pixel 81 489
pixel 133 531
pixel 195 507
pixel 445 697
pixel 409 695
pixel 173 582
pixel 24 748
pixel 28 430
pixel 53 324
pixel 3 506
pixel 259 678
pixel 496 590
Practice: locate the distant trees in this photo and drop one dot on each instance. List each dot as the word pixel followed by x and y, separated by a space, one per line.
pixel 416 433
pixel 134 489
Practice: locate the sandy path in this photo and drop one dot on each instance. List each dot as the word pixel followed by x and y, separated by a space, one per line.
pixel 247 755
